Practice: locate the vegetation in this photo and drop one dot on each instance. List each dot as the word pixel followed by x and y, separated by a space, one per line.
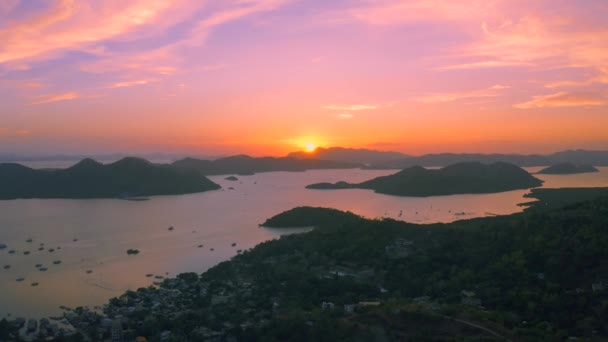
pixel 132 251
pixel 125 178
pixel 537 275
pixel 310 217
pixel 459 178
pixel 567 169
pixel 552 199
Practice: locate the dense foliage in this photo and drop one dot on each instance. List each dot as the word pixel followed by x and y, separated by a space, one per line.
pixel 310 217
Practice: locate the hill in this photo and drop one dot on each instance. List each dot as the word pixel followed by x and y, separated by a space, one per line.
pixel 125 178
pixel 461 178
pixel 567 169
pixel 309 217
pixel 538 276
pixel 246 165
pixel 349 155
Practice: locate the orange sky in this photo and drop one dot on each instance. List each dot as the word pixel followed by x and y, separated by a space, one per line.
pixel 271 76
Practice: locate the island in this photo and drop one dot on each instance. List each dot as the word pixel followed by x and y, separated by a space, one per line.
pixel 126 178
pixel 460 178
pixel 567 169
pixel 309 217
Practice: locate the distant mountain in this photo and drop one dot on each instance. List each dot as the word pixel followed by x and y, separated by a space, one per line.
pixel 597 158
pixel 396 160
pixel 246 165
pixel 567 169
pixel 127 177
pixel 443 159
pixel 461 178
pixel 349 155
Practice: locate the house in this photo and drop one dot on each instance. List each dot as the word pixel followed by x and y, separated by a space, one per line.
pixel 327 305
pixel 350 308
pixel 598 286
pixel 366 304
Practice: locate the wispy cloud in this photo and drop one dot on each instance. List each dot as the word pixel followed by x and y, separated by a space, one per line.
pixel 59 97
pixel 126 84
pixel 484 65
pixel 354 107
pixel 600 78
pixel 49 98
pixel 564 99
pixel 394 12
pixel 88 26
pixel 70 24
pixel 493 91
pixel 345 116
pixel 541 39
pixel 6 132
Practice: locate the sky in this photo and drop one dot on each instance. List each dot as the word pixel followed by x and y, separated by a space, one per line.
pixel 267 77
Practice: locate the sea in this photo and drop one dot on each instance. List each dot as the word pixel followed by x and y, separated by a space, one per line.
pixel 73 253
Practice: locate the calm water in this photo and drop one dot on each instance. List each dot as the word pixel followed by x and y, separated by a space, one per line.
pixel 105 229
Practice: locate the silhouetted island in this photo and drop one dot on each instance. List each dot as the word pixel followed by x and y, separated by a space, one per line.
pixel 246 165
pixel 309 217
pixel 126 178
pixel 461 178
pixel 567 169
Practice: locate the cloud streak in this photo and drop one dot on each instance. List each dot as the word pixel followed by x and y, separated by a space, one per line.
pixel 60 97
pixel 6 132
pixel 563 99
pixel 353 108
pixel 127 84
pixel 493 91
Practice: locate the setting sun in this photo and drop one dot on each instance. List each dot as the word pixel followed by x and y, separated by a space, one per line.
pixel 310 147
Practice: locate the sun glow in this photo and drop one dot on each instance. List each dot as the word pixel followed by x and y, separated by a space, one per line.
pixel 310 147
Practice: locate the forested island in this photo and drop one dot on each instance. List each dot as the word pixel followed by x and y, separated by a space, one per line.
pixel 461 178
pixel 537 275
pixel 126 178
pixel 567 169
pixel 309 217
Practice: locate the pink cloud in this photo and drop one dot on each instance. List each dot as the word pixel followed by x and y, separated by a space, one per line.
pixel 484 65
pixel 6 132
pixel 49 98
pixel 77 25
pixel 493 91
pixel 165 60
pixel 355 107
pixel 394 12
pixel 133 83
pixel 564 99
